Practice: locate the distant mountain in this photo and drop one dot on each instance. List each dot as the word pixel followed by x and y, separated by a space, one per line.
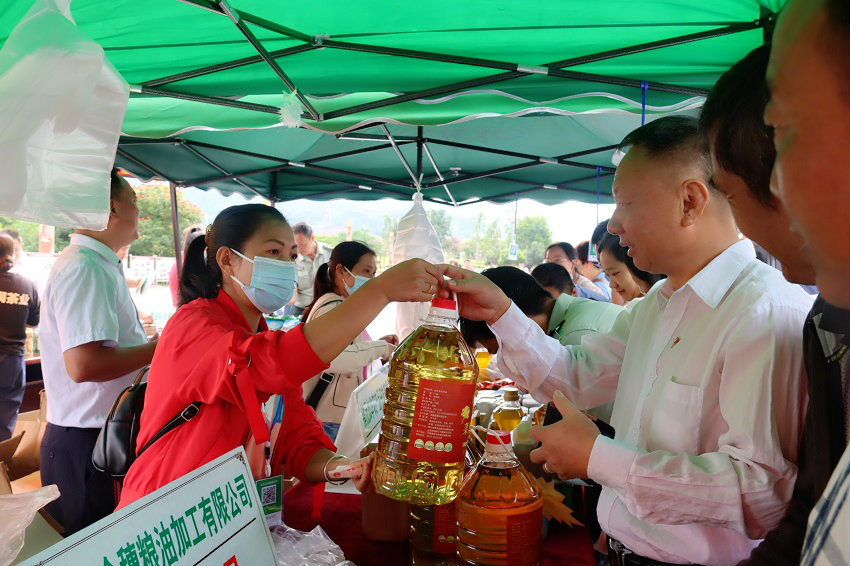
pixel 570 221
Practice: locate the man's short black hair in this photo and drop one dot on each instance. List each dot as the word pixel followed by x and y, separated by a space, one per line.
pixel 568 249
pixel 583 251
pixel 302 228
pixel 116 184
pixel 671 136
pixel 553 275
pixel 733 111
pixel 12 233
pixel 520 287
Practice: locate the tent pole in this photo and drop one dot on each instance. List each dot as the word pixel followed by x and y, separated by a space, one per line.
pixel 215 165
pixel 228 65
pixel 419 143
pixel 236 18
pixel 355 152
pixel 141 89
pixel 175 229
pixel 439 175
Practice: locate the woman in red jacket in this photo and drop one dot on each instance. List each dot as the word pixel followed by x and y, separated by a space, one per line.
pixel 218 351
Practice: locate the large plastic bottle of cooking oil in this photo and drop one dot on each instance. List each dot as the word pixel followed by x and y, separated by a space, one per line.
pixel 429 402
pixel 433 530
pixel 499 510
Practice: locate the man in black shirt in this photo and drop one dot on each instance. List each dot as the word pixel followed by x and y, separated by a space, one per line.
pixel 743 153
pixel 18 309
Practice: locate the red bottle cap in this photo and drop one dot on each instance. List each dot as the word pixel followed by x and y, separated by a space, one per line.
pixel 442 303
pixel 494 436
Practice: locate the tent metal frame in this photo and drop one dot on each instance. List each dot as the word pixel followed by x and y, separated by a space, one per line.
pixel 379 184
pixel 511 70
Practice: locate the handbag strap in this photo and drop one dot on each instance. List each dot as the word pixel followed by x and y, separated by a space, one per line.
pixel 319 390
pixel 184 416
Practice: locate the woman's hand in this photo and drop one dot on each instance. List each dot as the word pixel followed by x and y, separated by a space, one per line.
pixel 391 338
pixel 478 297
pixel 360 471
pixel 414 280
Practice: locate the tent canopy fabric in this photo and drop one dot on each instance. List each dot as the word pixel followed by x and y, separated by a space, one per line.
pixel 543 78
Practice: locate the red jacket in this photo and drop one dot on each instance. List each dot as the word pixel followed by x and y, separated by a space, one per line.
pixel 208 353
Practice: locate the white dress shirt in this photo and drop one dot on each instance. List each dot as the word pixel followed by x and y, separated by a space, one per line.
pixel 709 403
pixel 85 300
pixel 307 269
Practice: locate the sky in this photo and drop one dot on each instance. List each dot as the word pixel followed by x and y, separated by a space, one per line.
pixel 570 221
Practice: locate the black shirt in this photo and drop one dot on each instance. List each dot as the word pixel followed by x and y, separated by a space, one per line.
pixel 826 336
pixel 19 307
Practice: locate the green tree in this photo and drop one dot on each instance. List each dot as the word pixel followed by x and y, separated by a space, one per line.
pixel 532 236
pixel 442 224
pixel 28 231
pixel 155 232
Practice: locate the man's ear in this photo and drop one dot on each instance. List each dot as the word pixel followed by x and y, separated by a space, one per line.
pixel 695 195
pixel 574 292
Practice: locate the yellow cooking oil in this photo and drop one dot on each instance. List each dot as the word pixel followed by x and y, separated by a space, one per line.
pixel 429 402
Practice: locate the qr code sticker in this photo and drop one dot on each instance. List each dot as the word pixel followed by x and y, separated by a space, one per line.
pixel 269 494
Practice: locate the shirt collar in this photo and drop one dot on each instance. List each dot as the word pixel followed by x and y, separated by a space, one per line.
pixel 226 303
pixel 715 279
pixel 559 311
pixel 835 320
pixel 83 241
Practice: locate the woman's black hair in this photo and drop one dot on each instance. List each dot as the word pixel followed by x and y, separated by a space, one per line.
pixel 201 276
pixel 346 254
pixel 611 244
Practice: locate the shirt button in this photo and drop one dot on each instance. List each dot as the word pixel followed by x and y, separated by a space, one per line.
pixel 634 431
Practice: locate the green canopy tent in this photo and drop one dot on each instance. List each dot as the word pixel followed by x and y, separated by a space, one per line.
pixel 500 98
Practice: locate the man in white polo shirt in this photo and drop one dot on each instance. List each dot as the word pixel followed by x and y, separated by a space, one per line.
pixel 92 346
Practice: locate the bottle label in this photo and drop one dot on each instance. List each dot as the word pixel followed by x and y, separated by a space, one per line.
pixel 441 421
pixel 525 536
pixel 445 528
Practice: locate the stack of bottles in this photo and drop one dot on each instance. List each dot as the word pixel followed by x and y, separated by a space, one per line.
pixel 465 508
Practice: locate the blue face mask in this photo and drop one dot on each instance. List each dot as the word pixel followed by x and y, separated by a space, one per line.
pixel 272 282
pixel 359 280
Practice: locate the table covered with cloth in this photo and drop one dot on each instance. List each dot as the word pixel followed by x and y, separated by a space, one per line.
pixel 341 520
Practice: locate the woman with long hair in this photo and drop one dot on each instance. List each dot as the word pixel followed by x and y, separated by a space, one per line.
pixel 350 266
pixel 218 352
pixel 629 281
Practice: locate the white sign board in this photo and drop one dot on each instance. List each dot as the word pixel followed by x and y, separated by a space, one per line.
pixel 363 414
pixel 211 516
pixel 513 251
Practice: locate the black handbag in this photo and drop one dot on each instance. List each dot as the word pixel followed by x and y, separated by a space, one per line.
pixel 115 449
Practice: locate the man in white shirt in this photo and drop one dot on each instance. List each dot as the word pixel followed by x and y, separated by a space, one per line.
pixel 92 346
pixel 809 111
pixel 705 371
pixel 311 255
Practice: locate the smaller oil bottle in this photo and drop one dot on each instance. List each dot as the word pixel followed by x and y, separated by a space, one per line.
pixel 499 510
pixel 509 413
pixel 433 535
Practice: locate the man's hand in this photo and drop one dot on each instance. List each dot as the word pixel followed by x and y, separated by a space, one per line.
pixel 567 443
pixel 478 297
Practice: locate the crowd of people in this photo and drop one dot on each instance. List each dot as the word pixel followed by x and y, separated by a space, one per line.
pixel 726 384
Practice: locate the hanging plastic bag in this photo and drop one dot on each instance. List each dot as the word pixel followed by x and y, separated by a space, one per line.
pixel 416 238
pixel 61 108
pixel 18 511
pixel 297 548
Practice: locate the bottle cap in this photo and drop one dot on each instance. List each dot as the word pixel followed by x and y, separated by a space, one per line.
pixel 511 393
pixel 498 441
pixel 442 303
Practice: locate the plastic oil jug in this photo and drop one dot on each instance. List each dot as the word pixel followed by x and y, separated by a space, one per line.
pixel 499 510
pixel 429 402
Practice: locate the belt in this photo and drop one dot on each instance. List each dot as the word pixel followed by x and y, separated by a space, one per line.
pixel 620 555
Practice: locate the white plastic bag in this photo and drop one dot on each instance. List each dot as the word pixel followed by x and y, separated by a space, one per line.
pixel 297 548
pixel 18 511
pixel 61 108
pixel 416 238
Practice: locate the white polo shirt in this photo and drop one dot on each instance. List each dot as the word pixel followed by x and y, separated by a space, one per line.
pixel 85 300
